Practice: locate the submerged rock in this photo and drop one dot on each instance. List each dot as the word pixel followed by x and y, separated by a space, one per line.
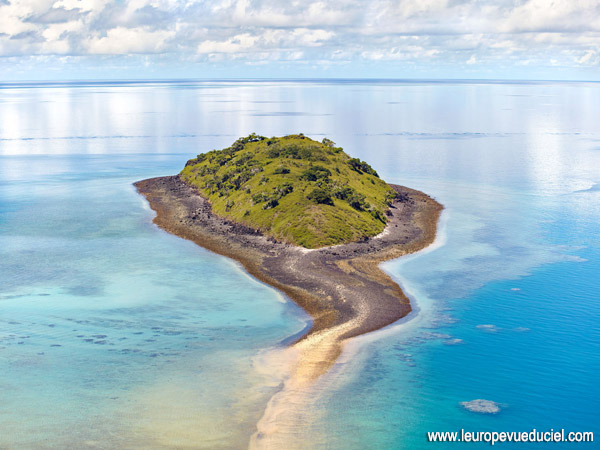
pixel 482 406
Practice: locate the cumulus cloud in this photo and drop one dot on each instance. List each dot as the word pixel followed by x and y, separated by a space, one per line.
pixel 463 32
pixel 121 40
pixel 555 16
pixel 268 39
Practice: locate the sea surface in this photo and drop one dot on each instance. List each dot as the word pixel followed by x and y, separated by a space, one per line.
pixel 115 334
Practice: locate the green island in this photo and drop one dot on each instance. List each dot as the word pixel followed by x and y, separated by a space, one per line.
pixel 294 189
pixel 263 202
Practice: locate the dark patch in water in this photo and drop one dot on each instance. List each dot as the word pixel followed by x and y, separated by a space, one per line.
pixel 56 345
pixel 85 290
pixel 126 351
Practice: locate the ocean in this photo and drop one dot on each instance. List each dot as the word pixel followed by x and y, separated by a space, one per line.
pixel 115 334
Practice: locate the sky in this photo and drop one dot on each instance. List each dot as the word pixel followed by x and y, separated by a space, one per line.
pixel 410 39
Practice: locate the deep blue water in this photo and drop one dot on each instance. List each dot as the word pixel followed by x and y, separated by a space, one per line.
pixel 115 334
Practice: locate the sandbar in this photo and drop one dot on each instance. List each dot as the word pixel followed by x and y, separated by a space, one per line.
pixel 341 287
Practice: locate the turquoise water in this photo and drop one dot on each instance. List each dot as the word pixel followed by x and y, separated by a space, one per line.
pixel 114 334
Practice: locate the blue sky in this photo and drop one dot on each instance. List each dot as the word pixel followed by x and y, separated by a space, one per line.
pixel 100 39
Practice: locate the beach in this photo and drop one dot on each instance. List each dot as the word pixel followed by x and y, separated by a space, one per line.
pixel 340 287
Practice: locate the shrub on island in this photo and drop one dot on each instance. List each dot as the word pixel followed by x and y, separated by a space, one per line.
pixel 294 189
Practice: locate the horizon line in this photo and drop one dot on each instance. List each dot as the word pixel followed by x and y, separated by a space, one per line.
pixel 290 79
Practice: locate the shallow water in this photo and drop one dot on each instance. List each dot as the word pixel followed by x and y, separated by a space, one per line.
pixel 116 334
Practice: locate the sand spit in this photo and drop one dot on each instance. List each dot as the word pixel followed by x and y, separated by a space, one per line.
pixel 341 287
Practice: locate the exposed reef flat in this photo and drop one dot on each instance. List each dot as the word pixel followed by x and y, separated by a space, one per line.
pixel 341 287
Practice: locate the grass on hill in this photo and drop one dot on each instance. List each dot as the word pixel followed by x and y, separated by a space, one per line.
pixel 293 188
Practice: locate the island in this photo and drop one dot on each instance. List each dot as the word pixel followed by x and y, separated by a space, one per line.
pixel 309 220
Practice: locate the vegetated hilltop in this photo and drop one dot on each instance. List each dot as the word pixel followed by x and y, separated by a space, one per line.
pixel 293 188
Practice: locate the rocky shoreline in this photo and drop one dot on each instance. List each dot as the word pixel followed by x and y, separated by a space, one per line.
pixel 341 287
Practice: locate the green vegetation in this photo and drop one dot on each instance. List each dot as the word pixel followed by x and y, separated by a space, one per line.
pixel 293 188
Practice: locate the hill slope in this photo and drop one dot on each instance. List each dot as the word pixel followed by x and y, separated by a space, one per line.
pixel 293 188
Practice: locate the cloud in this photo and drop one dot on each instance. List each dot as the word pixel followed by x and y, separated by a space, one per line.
pixel 464 33
pixel 587 57
pixel 235 44
pixel 55 15
pixel 273 40
pixel 556 16
pixel 27 35
pixel 123 40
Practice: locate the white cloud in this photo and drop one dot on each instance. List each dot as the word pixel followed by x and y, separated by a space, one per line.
pixel 266 39
pixel 129 40
pixel 555 15
pixel 55 32
pixel 461 32
pixel 310 38
pixel 83 5
pixel 238 43
pixel 588 58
